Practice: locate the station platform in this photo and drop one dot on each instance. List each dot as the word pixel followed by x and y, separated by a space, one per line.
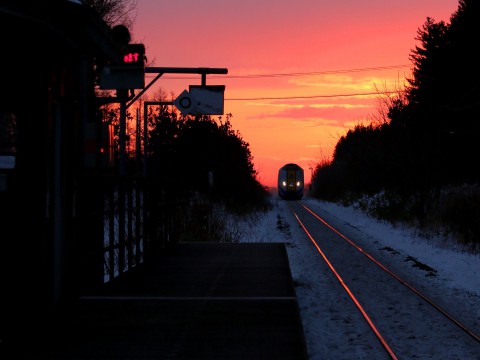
pixel 196 301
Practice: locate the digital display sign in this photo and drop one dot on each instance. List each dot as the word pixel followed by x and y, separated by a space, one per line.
pixel 134 55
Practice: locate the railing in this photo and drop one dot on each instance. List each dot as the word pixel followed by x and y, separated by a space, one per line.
pixel 124 226
pixel 139 221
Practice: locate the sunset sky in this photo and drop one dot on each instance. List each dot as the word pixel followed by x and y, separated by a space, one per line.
pixel 298 70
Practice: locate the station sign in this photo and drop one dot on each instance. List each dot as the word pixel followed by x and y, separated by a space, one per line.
pixel 201 100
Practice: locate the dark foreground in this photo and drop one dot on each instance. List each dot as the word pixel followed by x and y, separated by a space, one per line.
pixel 198 301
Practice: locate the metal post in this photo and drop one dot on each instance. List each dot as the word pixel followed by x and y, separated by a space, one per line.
pixel 145 137
pixel 137 139
pixel 122 171
pixel 122 157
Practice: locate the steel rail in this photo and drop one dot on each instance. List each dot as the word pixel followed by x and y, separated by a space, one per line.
pixel 388 271
pixel 349 292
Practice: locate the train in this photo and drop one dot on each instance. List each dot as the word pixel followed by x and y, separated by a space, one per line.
pixel 290 182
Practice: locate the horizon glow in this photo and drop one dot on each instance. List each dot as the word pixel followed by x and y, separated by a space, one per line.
pixel 290 62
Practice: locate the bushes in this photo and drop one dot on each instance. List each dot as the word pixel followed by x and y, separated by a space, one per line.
pixel 204 220
pixel 451 213
pixel 460 214
pixel 206 172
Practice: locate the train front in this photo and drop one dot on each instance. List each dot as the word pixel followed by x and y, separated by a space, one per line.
pixel 290 182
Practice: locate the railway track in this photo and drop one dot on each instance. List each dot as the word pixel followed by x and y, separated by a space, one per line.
pixel 406 322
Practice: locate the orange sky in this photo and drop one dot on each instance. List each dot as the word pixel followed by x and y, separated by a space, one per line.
pixel 309 51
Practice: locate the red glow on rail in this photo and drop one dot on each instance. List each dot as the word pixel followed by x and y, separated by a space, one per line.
pixel 424 297
pixel 355 300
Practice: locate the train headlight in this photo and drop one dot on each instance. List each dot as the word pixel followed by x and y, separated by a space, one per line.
pixel 284 183
pixel 298 183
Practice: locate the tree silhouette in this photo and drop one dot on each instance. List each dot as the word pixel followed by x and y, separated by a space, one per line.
pixel 429 143
pixel 190 154
pixel 114 12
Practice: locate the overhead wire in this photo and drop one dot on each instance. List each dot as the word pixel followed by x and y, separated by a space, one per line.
pixel 307 73
pixel 313 96
pixel 290 74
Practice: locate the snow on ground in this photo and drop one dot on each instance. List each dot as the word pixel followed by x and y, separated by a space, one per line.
pixel 456 274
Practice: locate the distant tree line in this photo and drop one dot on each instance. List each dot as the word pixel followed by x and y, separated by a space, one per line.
pixel 419 160
pixel 200 172
pixel 200 154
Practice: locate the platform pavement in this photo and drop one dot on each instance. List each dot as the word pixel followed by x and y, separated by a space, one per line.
pixel 197 301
